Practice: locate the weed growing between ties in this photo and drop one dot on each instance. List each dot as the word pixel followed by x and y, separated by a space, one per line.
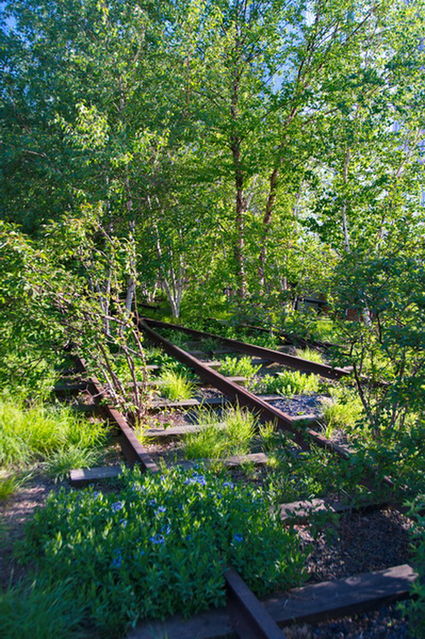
pixel 215 442
pixel 342 410
pixel 310 354
pixel 287 383
pixel 238 367
pixel 175 386
pixel 160 545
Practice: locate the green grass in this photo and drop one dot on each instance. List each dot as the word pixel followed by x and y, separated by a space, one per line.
pixel 238 367
pixel 217 443
pixel 175 386
pixel 287 383
pixel 39 611
pixel 311 354
pixel 42 432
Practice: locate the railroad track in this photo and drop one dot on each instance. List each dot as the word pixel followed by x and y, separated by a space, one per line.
pixel 245 615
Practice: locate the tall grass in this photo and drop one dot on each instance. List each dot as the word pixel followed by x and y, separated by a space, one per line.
pixel 36 611
pixel 215 442
pixel 43 432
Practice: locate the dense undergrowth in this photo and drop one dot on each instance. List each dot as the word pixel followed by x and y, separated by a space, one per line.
pixel 158 546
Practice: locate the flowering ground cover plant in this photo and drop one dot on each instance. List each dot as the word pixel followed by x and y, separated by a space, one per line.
pixel 160 544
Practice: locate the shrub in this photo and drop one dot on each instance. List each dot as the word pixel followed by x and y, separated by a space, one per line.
pixel 238 367
pixel 175 386
pixel 159 545
pixel 34 433
pixel 214 442
pixel 287 383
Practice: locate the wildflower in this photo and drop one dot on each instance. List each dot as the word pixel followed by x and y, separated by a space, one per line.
pixel 196 479
pixel 97 494
pixel 157 539
pixel 152 502
pixel 237 539
pixel 166 529
pixel 123 522
pixel 161 509
pixel 117 559
pixel 229 484
pixel 116 506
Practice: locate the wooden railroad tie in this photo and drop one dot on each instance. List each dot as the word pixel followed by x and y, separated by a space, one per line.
pixel 308 604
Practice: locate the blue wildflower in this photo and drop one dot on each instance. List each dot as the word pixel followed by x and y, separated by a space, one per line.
pixel 152 502
pixel 157 539
pixel 117 559
pixel 161 509
pixel 116 506
pixel 196 479
pixel 123 522
pixel 166 529
pixel 97 494
pixel 237 539
pixel 229 484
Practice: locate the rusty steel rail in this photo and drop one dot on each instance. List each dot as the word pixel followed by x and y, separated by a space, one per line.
pixel 297 363
pixel 244 397
pixel 132 449
pixel 247 616
pixel 292 339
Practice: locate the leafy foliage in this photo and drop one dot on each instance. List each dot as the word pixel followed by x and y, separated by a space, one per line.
pixel 164 541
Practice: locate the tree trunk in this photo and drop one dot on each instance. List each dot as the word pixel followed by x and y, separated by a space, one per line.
pixel 267 219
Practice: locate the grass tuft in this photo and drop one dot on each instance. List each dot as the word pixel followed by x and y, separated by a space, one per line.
pixel 287 383
pixel 339 414
pixel 238 367
pixel 40 432
pixel 176 386
pixel 311 354
pixel 9 484
pixel 214 442
pixel 65 459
